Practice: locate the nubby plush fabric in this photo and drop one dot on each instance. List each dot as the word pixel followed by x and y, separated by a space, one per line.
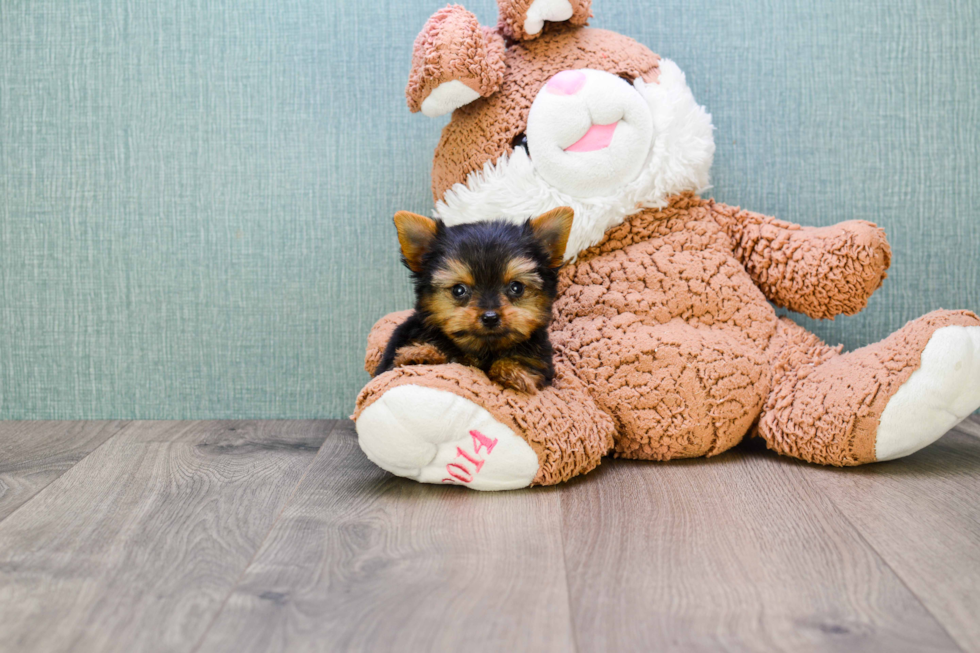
pixel 667 344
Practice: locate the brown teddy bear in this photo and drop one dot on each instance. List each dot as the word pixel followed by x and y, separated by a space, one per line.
pixel 666 341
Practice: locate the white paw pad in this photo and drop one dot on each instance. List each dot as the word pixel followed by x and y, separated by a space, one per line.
pixel 938 396
pixel 433 436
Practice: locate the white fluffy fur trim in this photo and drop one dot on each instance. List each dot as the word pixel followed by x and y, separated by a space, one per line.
pixel 680 160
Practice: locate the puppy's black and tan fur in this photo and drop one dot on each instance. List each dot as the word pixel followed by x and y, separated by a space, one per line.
pixel 484 293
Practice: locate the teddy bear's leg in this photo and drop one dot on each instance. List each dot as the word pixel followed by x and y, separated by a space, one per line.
pixel 674 390
pixel 881 402
pixel 450 424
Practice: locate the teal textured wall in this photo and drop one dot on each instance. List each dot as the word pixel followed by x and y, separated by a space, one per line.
pixel 195 198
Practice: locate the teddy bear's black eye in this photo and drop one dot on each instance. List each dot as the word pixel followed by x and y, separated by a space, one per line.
pixel 519 141
pixel 515 288
pixel 459 291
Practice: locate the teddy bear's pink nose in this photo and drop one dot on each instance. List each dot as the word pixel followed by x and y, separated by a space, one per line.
pixel 567 82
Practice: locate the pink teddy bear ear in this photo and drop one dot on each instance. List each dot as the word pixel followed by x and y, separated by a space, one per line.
pixel 523 20
pixel 454 62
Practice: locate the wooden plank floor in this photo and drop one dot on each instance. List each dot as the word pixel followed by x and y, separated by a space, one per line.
pixel 281 536
pixel 33 454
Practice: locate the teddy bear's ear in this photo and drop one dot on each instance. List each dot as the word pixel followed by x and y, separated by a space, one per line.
pixel 454 62
pixel 523 20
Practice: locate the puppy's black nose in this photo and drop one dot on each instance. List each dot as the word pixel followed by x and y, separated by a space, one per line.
pixel 490 319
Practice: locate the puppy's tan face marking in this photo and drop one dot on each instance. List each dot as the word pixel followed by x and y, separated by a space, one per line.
pixel 452 272
pixel 447 312
pixel 458 314
pixel 522 270
pixel 532 308
pixel 526 316
pixel 454 318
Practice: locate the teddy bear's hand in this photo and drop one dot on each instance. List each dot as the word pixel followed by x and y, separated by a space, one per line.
pixel 378 339
pixel 820 272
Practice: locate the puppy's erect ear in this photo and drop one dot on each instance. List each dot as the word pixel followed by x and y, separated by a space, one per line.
pixel 523 20
pixel 552 230
pixel 415 235
pixel 454 62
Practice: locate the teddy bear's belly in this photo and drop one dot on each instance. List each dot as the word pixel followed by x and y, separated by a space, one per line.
pixel 655 282
pixel 673 344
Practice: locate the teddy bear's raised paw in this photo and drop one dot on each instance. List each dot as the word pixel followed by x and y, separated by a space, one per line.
pixel 938 396
pixel 434 436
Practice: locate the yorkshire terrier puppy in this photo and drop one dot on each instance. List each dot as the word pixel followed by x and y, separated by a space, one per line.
pixel 483 294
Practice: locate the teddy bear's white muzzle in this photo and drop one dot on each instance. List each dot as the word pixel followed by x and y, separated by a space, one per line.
pixel 589 132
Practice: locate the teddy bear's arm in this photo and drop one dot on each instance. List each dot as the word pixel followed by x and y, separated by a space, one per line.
pixel 416 354
pixel 820 272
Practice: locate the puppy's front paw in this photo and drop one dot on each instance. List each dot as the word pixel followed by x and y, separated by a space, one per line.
pixel 419 354
pixel 512 374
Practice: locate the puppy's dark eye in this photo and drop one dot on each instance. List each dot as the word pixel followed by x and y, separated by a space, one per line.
pixel 459 291
pixel 515 288
pixel 519 141
pixel 626 77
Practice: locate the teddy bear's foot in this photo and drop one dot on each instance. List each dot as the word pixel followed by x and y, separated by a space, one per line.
pixel 433 436
pixel 451 424
pixel 938 396
pixel 880 402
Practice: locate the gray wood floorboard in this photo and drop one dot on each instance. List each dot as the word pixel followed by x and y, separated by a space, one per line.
pixel 250 536
pixel 730 553
pixel 363 561
pixel 33 454
pixel 136 547
pixel 922 515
